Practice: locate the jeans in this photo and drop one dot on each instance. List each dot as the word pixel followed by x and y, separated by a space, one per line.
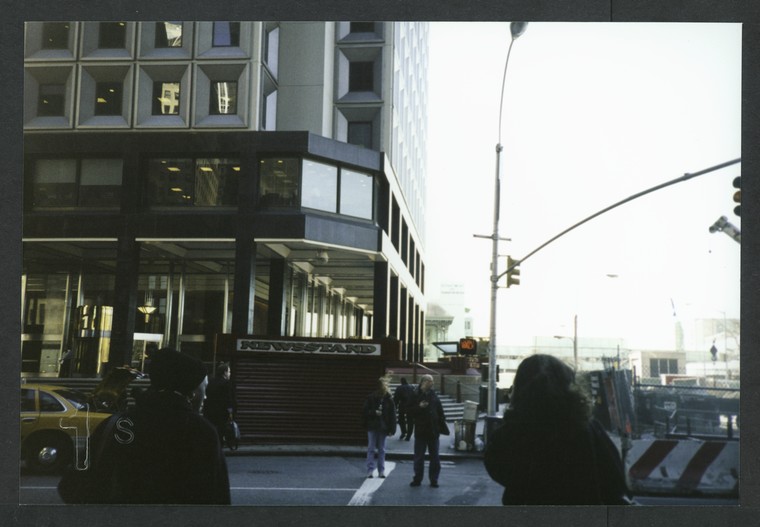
pixel 376 440
pixel 432 445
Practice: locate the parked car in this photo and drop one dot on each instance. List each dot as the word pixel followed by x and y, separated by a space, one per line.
pixel 57 422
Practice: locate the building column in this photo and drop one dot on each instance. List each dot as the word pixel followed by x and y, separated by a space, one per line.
pixel 277 304
pixel 245 282
pixel 393 329
pixel 380 304
pixel 403 330
pixel 125 303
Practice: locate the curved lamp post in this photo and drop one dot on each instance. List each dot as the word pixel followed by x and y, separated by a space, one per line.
pixel 516 29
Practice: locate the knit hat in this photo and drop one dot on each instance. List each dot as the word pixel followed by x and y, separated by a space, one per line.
pixel 172 370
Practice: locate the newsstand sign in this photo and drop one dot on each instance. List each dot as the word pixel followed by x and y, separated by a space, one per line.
pixel 329 348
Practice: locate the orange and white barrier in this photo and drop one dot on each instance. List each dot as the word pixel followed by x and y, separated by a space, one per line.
pixel 683 466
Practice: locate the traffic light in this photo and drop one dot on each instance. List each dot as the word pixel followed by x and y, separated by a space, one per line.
pixel 513 276
pixel 467 346
pixel 738 195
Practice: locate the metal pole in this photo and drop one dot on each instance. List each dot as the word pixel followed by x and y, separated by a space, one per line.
pixel 575 341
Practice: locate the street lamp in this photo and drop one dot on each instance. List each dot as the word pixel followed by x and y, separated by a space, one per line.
pixel 516 29
pixel 574 338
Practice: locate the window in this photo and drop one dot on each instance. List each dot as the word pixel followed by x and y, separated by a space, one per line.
pixel 362 27
pixel 48 403
pixel 28 403
pixel 55 35
pixel 226 34
pixel 272 49
pixel 50 101
pixel 223 98
pixel 659 367
pixel 360 133
pixel 203 182
pixel 356 194
pixel 165 98
pixel 269 112
pixel 361 76
pixel 168 35
pixel 92 182
pixel 112 35
pixel 319 186
pixel 108 97
pixel 278 182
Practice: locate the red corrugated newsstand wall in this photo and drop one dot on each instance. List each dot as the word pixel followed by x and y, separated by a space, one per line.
pixel 303 390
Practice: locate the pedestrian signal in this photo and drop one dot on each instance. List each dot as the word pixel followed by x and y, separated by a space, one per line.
pixel 467 346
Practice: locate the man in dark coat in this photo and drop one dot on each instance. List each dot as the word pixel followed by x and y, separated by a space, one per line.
pixel 401 397
pixel 219 406
pixel 430 421
pixel 162 451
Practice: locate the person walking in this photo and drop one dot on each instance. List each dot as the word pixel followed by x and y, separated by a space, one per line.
pixel 549 450
pixel 219 406
pixel 379 419
pixel 430 422
pixel 162 451
pixel 401 397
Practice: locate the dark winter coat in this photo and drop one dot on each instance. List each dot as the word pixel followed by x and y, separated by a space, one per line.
pixel 554 463
pixel 220 401
pixel 428 421
pixel 379 423
pixel 402 396
pixel 162 452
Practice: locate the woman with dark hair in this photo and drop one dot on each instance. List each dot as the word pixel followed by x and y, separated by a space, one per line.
pixel 548 450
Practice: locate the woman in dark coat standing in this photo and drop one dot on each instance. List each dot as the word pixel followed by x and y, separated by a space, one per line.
pixel 219 406
pixel 548 450
pixel 379 419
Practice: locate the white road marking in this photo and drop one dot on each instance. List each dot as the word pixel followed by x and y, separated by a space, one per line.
pixel 363 496
pixel 293 489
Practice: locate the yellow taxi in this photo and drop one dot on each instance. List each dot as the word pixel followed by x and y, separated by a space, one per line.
pixel 56 424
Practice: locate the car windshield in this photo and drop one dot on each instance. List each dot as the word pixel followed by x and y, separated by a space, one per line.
pixel 78 399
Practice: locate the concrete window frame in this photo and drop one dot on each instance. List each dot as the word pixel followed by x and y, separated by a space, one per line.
pixel 347 55
pixel 348 114
pixel 34 77
pixel 147 75
pixel 89 76
pixel 90 49
pixel 205 74
pixel 149 51
pixel 33 45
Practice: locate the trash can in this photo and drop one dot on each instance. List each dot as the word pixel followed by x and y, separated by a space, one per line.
pixel 464 435
pixel 470 411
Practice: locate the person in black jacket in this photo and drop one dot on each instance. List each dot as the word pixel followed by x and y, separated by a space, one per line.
pixel 379 419
pixel 401 398
pixel 548 450
pixel 219 406
pixel 429 422
pixel 162 451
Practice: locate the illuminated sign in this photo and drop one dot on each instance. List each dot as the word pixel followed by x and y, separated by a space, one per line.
pixel 287 346
pixel 467 346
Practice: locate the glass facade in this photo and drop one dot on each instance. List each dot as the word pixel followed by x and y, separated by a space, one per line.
pixel 223 98
pixel 108 98
pixel 165 98
pixel 356 194
pixel 278 182
pixel 50 102
pixel 112 35
pixel 226 34
pixel 199 182
pixel 168 35
pixel 319 186
pixel 55 35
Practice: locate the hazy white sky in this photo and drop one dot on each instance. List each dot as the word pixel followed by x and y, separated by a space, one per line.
pixel 592 114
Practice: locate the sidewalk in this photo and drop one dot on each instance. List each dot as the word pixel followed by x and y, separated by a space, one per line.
pixel 395 448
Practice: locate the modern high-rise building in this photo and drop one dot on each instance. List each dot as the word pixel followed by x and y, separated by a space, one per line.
pixel 185 180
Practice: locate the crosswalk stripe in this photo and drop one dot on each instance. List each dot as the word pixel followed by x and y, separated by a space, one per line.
pixel 363 496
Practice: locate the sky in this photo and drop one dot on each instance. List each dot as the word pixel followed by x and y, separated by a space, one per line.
pixel 593 113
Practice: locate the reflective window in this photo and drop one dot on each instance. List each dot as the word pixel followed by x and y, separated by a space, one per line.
pixel 226 34
pixel 223 98
pixel 169 34
pixel 361 76
pixel 165 98
pixel 55 183
pixel 48 403
pixel 51 100
pixel 360 133
pixel 278 182
pixel 100 182
pixel 269 111
pixel 193 182
pixel 356 194
pixel 28 403
pixel 319 186
pixel 108 97
pixel 55 35
pixel 272 49
pixel 362 27
pixel 112 35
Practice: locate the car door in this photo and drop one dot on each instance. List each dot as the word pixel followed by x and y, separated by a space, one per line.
pixel 30 411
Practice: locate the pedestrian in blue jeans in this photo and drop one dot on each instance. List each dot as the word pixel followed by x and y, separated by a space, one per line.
pixel 379 419
pixel 430 422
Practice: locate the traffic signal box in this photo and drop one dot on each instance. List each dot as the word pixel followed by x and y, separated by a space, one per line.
pixel 467 346
pixel 513 276
pixel 738 195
